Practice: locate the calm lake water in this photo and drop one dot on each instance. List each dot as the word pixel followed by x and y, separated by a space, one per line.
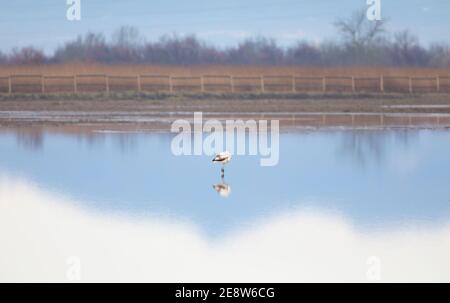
pixel 341 205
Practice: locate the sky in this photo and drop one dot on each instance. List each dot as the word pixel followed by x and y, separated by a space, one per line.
pixel 44 23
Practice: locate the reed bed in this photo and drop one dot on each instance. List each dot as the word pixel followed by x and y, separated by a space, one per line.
pixel 95 78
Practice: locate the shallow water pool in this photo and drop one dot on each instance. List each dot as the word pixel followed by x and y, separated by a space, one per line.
pixel 338 204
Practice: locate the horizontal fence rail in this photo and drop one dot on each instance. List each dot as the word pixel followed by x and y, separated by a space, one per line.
pixel 103 83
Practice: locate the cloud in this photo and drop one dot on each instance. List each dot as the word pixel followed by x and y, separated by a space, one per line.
pixel 41 231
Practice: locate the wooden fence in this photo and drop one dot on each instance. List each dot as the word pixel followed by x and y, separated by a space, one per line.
pixel 101 83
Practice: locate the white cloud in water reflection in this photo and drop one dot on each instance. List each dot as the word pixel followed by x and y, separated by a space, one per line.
pixel 39 231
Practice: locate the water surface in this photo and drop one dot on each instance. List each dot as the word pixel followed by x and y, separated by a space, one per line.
pixel 336 199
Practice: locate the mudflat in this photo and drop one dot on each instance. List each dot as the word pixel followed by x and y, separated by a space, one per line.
pixel 157 113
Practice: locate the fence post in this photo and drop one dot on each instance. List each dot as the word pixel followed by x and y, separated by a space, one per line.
pixel 293 84
pixel 202 84
pixel 231 83
pixel 9 85
pixel 410 85
pixel 107 83
pixel 353 84
pixel 382 84
pixel 138 78
pixel 438 84
pixel 170 84
pixel 262 84
pixel 324 84
pixel 75 86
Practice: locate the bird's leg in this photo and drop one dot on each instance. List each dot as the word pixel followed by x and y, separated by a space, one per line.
pixel 222 173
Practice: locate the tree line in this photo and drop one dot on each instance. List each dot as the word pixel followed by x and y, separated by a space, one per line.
pixel 360 42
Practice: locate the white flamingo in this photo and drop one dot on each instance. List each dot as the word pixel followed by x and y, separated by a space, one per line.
pixel 223 158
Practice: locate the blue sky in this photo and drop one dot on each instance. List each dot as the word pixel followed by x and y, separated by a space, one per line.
pixel 43 23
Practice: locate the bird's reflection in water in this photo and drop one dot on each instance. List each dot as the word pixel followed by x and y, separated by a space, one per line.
pixel 222 188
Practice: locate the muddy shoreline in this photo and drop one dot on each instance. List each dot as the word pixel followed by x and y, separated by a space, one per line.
pixel 157 115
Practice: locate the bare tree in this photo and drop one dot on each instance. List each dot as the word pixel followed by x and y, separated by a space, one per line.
pixel 126 45
pixel 304 53
pixel 126 37
pixel 173 49
pixel 439 55
pixel 3 58
pixel 260 50
pixel 358 31
pixel 89 48
pixel 405 40
pixel 27 55
pixel 406 50
pixel 363 43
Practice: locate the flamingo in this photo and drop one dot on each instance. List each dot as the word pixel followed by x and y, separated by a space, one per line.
pixel 223 158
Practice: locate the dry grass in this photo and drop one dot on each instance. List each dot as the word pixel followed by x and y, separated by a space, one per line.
pixel 197 70
pixel 246 78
